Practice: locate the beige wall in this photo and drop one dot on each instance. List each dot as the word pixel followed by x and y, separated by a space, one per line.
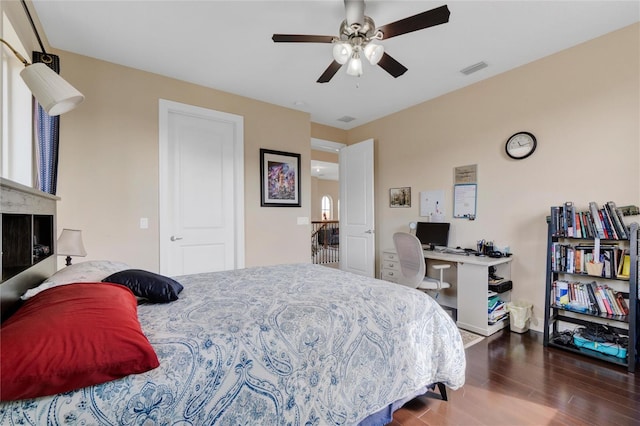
pixel 108 172
pixel 583 106
pixel 329 157
pixel 327 133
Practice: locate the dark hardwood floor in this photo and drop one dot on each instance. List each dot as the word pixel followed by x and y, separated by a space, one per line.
pixel 512 379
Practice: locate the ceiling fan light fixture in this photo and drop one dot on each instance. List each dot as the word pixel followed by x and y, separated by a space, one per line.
pixel 355 37
pixel 355 66
pixel 342 52
pixel 373 52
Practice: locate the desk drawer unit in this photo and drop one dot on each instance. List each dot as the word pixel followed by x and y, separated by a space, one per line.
pixel 390 268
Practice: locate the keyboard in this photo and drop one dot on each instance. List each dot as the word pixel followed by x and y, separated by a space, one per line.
pixel 454 251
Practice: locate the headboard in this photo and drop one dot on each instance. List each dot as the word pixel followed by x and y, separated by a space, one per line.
pixel 14 287
pixel 28 217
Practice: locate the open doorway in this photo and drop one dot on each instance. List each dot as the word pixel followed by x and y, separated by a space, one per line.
pixel 325 202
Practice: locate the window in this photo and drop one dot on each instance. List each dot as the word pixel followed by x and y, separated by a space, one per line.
pixel 327 209
pixel 17 133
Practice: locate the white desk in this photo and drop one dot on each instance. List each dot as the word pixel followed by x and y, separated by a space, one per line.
pixel 471 281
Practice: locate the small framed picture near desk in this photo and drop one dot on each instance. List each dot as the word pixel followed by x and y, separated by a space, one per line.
pixel 279 179
pixel 400 197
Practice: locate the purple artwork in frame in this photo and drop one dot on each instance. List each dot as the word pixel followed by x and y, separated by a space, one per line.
pixel 279 179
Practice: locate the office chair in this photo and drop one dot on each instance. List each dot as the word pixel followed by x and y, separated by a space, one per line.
pixel 413 267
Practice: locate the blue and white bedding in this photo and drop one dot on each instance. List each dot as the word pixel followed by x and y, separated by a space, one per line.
pixel 279 345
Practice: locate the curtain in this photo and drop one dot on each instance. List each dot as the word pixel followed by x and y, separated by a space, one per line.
pixel 47 130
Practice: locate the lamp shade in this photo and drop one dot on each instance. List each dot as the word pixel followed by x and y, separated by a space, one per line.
pixel 373 53
pixel 342 52
pixel 70 243
pixel 50 90
pixel 355 66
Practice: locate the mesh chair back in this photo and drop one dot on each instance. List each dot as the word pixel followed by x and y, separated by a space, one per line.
pixel 411 258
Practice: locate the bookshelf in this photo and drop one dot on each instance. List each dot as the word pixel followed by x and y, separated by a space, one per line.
pixel 581 295
pixel 27 241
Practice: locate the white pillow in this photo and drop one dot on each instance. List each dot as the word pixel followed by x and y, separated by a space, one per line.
pixel 83 272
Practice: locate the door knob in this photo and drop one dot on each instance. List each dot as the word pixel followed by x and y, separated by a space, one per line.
pixel 370 231
pixel 174 238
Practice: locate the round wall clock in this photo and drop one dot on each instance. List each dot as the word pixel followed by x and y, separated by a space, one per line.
pixel 521 145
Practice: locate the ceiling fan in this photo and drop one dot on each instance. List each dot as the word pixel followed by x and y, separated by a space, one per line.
pixel 357 35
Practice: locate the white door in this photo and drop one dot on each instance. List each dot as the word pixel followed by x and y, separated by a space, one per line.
pixel 201 190
pixel 357 237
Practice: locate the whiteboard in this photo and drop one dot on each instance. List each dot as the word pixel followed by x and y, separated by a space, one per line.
pixel 464 200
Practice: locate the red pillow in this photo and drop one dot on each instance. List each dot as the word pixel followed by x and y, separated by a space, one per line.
pixel 72 336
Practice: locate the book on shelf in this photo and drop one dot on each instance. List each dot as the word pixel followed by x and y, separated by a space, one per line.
pixel 626 266
pixel 622 303
pixel 605 300
pixel 598 296
pixel 577 226
pixel 593 301
pixel 618 219
pixel 607 260
pixel 595 215
pixel 614 221
pixel 593 233
pixel 561 292
pixel 620 263
pixel 606 219
pixel 579 262
pixel 554 220
pixel 613 301
pixel 569 214
pixel 624 227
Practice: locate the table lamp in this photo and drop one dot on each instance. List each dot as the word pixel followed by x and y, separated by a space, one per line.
pixel 70 244
pixel 412 227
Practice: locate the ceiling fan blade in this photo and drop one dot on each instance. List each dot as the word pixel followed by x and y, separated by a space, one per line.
pixel 301 38
pixel 430 18
pixel 354 11
pixel 390 65
pixel 328 74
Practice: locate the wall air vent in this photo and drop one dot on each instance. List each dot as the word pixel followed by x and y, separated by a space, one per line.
pixel 346 119
pixel 473 68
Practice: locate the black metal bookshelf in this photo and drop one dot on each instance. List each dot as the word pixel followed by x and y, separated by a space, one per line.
pixel 561 319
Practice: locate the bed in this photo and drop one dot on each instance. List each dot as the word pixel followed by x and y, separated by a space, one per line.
pixel 277 345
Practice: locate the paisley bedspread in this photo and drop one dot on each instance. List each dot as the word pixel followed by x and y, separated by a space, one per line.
pixel 280 345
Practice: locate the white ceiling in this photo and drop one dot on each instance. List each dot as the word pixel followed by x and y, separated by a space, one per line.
pixel 227 45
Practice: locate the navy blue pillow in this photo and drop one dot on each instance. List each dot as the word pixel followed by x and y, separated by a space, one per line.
pixel 155 287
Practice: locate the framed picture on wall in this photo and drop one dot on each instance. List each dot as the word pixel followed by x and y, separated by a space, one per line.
pixel 400 197
pixel 279 179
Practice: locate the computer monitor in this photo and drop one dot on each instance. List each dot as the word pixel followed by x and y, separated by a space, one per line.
pixel 433 233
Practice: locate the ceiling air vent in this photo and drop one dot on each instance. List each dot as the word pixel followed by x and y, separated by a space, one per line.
pixel 473 68
pixel 346 119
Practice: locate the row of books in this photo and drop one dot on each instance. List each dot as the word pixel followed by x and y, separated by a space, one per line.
pixel 616 262
pixel 606 222
pixel 589 297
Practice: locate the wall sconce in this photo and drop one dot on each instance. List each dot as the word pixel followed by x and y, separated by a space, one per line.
pixel 51 91
pixel 70 244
